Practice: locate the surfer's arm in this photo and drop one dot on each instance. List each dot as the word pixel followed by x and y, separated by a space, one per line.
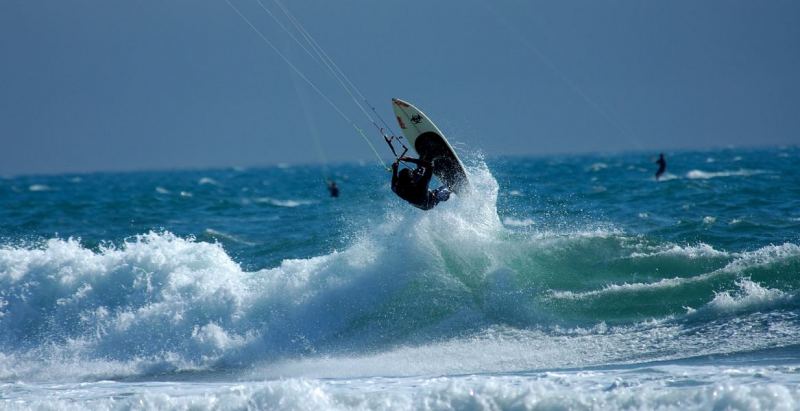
pixel 394 175
pixel 426 166
pixel 418 162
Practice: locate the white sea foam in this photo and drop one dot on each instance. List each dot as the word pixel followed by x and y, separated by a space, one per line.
pixel 207 181
pixel 39 187
pixel 767 255
pixel 667 177
pixel 283 203
pixel 700 250
pixel 516 222
pixel 750 295
pixel 599 232
pixel 155 282
pixel 598 166
pixel 704 175
pixel 618 288
pixel 161 190
pixel 700 388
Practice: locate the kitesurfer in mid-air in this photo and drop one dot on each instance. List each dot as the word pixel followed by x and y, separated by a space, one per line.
pixel 662 166
pixel 412 186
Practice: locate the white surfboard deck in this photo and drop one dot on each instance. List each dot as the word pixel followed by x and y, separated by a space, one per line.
pixel 430 144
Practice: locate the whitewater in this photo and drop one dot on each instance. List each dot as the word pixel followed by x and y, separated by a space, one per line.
pixel 561 282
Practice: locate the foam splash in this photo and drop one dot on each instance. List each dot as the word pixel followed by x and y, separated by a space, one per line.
pixel 705 175
pixel 39 187
pixel 283 203
pixel 700 250
pixel 598 166
pixel 207 181
pixel 701 388
pixel 667 177
pixel 749 296
pixel 158 302
pixel 516 222
pixel 64 292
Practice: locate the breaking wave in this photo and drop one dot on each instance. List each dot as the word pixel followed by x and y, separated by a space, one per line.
pixel 451 283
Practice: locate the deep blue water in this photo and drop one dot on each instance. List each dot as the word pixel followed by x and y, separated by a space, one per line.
pixel 580 265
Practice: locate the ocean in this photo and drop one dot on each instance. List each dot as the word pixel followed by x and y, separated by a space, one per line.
pixel 559 282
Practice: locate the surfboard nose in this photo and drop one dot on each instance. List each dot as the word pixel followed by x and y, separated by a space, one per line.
pixel 399 102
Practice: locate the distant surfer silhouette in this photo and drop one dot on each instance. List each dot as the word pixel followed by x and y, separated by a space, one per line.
pixel 662 166
pixel 412 186
pixel 333 188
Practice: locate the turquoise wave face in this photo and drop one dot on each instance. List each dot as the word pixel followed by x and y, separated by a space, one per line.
pixel 140 273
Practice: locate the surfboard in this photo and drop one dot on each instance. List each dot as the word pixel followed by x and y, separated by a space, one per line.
pixel 431 145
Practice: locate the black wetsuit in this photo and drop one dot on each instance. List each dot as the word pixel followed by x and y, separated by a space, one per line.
pixel 416 190
pixel 333 189
pixel 662 166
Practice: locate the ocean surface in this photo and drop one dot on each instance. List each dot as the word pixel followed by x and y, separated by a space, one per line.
pixel 561 282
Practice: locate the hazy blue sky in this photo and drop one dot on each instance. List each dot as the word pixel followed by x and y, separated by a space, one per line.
pixel 121 84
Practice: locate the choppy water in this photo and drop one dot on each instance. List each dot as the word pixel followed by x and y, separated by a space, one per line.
pixel 562 282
